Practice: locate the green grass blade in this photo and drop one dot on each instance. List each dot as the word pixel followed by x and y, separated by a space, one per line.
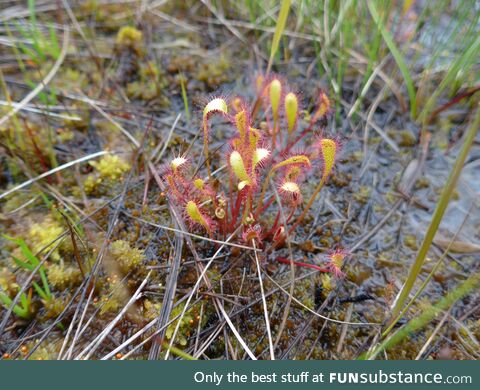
pixel 23 264
pixel 31 11
pixel 398 58
pixel 185 97
pixel 21 311
pixel 281 21
pixel 40 291
pixel 177 351
pixel 5 299
pixel 54 47
pixel 33 262
pixel 437 215
pixel 15 48
pixel 428 315
pixel 46 286
pixel 463 63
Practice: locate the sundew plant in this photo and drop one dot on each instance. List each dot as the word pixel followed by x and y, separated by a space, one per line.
pixel 272 151
pixel 161 200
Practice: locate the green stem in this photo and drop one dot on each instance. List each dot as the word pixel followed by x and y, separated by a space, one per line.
pixel 437 217
pixel 178 352
pixel 23 312
pixel 426 316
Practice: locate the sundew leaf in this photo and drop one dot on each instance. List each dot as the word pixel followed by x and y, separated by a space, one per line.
pixel 300 159
pixel 215 105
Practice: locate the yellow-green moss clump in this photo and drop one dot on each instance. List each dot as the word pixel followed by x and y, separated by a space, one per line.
pixel 108 170
pixel 8 282
pixel 410 241
pixel 185 325
pixel 407 139
pixel 149 85
pixel 110 167
pixel 55 306
pixel 15 201
pixel 41 236
pixel 62 276
pixel 116 298
pixel 125 256
pixel 151 309
pixel 188 323
pixel 327 282
pixel 112 303
pixel 363 194
pixel 48 350
pixel 131 38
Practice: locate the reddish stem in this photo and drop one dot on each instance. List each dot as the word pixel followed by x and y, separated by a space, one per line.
pixel 301 264
pixel 271 232
pixel 454 101
pixel 264 207
pixel 38 153
pixel 296 140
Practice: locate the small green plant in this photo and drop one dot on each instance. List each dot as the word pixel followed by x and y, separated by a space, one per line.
pixel 29 262
pixel 22 309
pixel 282 150
pixel 40 47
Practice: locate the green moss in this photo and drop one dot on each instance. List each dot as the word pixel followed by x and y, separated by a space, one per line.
pixel 363 194
pixel 79 111
pixel 65 135
pixel 15 201
pixel 130 37
pixel 410 241
pixel 327 282
pixel 108 171
pixel 407 139
pixel 422 182
pixel 8 281
pixel 213 74
pixel 149 85
pixel 113 299
pixel 188 323
pixel 48 350
pixel 41 235
pixel 143 91
pixel 90 184
pixel 185 325
pixel 151 309
pixel 62 276
pixel 110 167
pixel 125 256
pixel 391 197
pixel 55 306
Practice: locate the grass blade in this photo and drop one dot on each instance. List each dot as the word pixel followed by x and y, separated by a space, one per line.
pixel 437 215
pixel 462 64
pixel 281 21
pixel 398 58
pixel 184 96
pixel 425 317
